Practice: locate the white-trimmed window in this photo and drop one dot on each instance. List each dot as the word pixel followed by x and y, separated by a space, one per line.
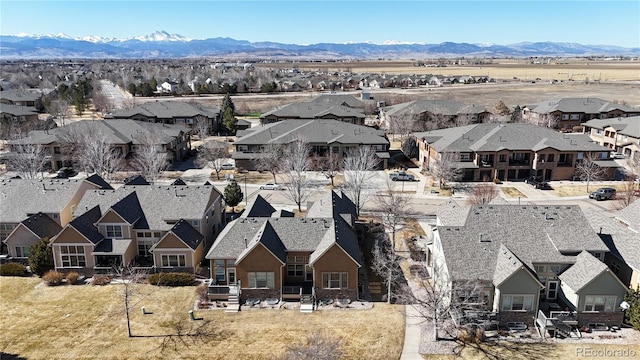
pixel 259 280
pixel 144 246
pixel 335 280
pixel 22 251
pixel 575 116
pixel 295 270
pixel 174 260
pixel 517 302
pixel 599 303
pixel 114 231
pixel 72 256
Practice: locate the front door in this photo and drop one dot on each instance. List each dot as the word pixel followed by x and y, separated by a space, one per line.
pixel 552 290
pixel 231 276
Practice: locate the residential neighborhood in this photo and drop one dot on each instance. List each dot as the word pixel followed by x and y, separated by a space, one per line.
pixel 463 223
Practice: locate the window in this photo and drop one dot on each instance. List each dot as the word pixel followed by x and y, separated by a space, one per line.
pixel 554 269
pixel 336 280
pixel 296 270
pixel 599 303
pixel 565 116
pixel 540 268
pixel 261 280
pixel 550 158
pixel 56 149
pixel 174 261
pixel 114 231
pixel 72 256
pixel 219 270
pixel 144 246
pixel 517 302
pixel 566 159
pixel 22 251
pixel 615 267
pixel 465 157
pixel 195 223
pixel 575 116
pixel 6 227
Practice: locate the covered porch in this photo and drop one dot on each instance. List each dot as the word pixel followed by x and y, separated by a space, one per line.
pixel 110 254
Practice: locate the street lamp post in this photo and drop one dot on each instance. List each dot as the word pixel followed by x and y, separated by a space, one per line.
pixel 246 195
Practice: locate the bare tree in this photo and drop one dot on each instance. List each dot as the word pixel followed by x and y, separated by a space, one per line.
pixel 202 127
pixel 296 163
pixel 483 193
pixel 270 160
pixel 150 158
pixel 330 165
pixel 625 196
pixel 89 149
pixel 633 166
pixel 60 109
pixel 27 158
pixel 319 346
pixel 588 170
pixel 358 166
pixel 446 168
pixel 393 209
pixel 213 155
pixel 386 263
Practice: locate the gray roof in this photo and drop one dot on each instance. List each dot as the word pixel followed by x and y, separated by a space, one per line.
pixel 112 246
pixel 84 224
pixel 269 238
pixel 22 197
pixel 621 240
pixel 629 126
pixel 331 205
pixel 313 131
pixel 14 95
pixel 168 110
pixel 534 234
pixel 17 110
pixel 187 233
pixel 436 107
pixel 97 180
pixel 313 110
pixel 507 264
pixel 118 131
pixel 157 204
pixel 42 225
pixel 585 270
pixel 259 207
pixel 497 137
pixel 339 99
pixel 579 105
pixel 630 215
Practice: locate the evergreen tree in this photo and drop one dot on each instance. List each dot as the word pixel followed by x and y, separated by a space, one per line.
pixel 227 103
pixel 229 114
pixel 632 314
pixel 233 194
pixel 516 115
pixel 41 257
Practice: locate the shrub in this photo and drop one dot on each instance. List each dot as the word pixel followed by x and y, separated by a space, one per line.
pixel 497 181
pixel 72 277
pixel 201 291
pixel 101 280
pixel 172 279
pixel 13 269
pixel 41 257
pixel 53 278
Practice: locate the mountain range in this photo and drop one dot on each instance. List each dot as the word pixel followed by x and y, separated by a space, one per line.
pixel 161 44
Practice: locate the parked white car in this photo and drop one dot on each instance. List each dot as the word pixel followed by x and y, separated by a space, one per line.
pixel 271 186
pixel 227 166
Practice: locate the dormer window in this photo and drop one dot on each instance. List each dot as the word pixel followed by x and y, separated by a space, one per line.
pixel 114 231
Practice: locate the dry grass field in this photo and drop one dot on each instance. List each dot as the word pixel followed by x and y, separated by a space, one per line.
pixel 578 190
pixel 87 322
pixel 512 192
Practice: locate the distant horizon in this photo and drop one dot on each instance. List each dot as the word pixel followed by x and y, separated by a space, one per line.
pixel 305 22
pixel 92 37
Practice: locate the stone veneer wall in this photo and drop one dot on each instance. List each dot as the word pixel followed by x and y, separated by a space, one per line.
pixel 608 318
pixel 527 317
pixel 259 294
pixel 351 294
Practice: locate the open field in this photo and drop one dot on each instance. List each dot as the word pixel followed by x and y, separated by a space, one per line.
pixel 87 322
pixel 512 192
pixel 577 190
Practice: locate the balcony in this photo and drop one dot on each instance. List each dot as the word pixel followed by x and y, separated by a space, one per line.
pixel 514 162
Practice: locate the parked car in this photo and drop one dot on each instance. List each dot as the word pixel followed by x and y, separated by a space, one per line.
pixel 271 186
pixel 227 166
pixel 401 176
pixel 603 194
pixel 616 155
pixel 66 172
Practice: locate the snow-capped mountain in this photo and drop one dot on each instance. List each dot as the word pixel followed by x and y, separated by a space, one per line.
pixel 161 44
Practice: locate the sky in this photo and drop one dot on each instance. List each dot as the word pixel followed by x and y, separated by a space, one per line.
pixel 315 21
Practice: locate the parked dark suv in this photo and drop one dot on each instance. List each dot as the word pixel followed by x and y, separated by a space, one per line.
pixel 603 194
pixel 536 181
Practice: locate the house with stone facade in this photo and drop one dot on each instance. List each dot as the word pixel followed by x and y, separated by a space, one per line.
pixel 290 258
pixel 159 228
pixel 567 113
pixel 534 263
pixel 509 151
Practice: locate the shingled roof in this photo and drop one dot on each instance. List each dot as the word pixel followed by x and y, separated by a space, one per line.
pixel 585 270
pixel 534 234
pixel 621 240
pixel 42 225
pixel 339 99
pixel 629 126
pixel 436 107
pixel 579 105
pixel 314 110
pixel 259 207
pixel 497 137
pixel 168 110
pixel 84 224
pixel 187 233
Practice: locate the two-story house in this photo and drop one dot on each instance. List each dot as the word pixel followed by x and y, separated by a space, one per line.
pixel 621 134
pixel 19 97
pixel 164 228
pixel 422 112
pixel 324 136
pixel 124 136
pixel 567 113
pixel 531 261
pixel 509 151
pixel 289 258
pixel 172 112
pixel 21 199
